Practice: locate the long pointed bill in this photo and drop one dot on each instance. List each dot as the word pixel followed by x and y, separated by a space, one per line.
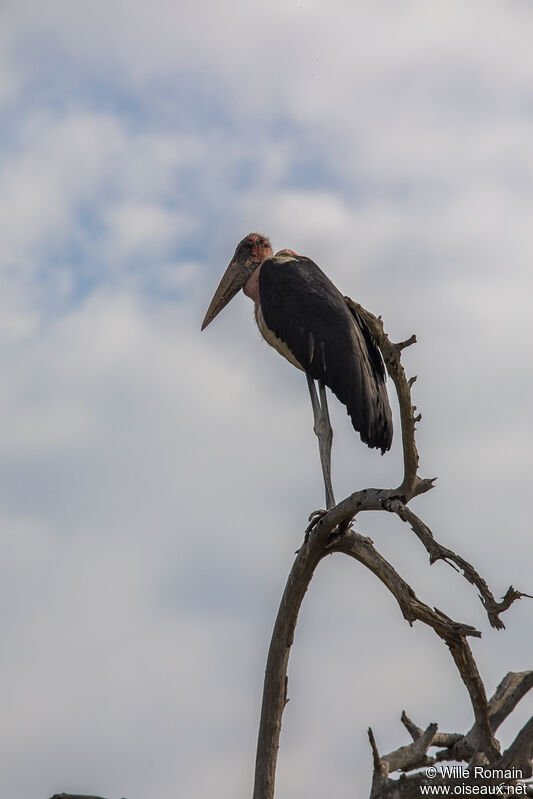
pixel 233 279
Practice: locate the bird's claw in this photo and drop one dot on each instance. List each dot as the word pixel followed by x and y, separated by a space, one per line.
pixel 315 516
pixel 338 531
pixel 314 519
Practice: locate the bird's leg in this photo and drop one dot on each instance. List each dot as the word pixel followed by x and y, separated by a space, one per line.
pixel 324 433
pixel 328 440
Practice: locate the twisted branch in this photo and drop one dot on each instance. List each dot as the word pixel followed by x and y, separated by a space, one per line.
pixel 437 552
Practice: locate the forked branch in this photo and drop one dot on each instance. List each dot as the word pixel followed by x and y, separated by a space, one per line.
pixel 457 748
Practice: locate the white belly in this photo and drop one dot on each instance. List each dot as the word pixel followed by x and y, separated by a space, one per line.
pixel 273 340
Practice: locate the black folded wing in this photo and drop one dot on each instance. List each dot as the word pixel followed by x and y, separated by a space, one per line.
pixel 332 342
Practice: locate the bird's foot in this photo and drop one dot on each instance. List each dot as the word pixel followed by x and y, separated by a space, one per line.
pixel 315 517
pixel 313 520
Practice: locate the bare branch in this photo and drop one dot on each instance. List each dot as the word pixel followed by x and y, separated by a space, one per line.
pixel 403 344
pixel 380 770
pixel 414 731
pixel 363 550
pixel 275 685
pixel 453 633
pixel 480 737
pixel 375 753
pixel 507 695
pixel 412 756
pixel 520 754
pixel 439 739
pixel 391 355
pixel 319 544
pixel 438 552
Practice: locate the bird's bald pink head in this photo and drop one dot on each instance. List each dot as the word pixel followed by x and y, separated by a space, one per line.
pixel 256 246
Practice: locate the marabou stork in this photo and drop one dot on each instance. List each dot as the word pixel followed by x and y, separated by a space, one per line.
pixel 307 320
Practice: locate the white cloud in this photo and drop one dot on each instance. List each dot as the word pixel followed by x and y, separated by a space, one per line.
pixel 142 230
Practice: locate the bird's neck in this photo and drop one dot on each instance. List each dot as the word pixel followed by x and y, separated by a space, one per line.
pixel 251 287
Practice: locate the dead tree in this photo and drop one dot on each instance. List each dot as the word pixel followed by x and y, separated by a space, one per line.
pixel 332 531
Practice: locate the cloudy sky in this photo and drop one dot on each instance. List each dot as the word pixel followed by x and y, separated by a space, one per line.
pixel 156 482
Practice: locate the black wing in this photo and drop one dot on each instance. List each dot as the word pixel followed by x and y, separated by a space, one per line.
pixel 332 343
